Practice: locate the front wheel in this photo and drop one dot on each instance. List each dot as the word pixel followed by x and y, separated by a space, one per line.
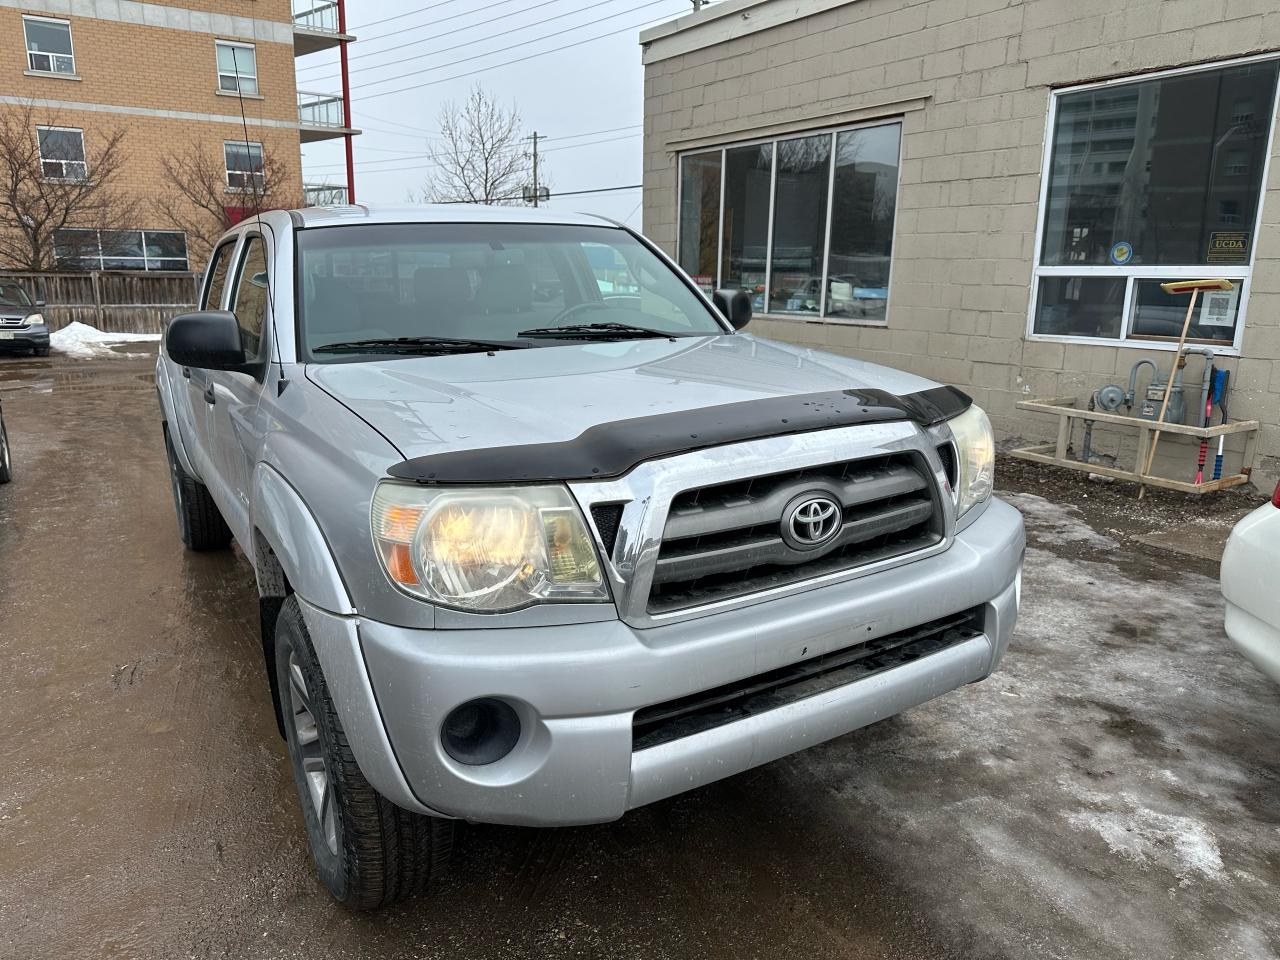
pixel 369 852
pixel 6 465
pixel 41 351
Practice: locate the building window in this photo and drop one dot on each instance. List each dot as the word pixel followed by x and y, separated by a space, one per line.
pixel 49 47
pixel 62 153
pixel 121 249
pixel 1177 196
pixel 804 224
pixel 244 165
pixel 237 68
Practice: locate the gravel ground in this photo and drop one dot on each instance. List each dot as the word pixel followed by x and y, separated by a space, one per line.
pixel 1112 792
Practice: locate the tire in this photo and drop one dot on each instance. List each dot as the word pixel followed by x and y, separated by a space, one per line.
pixel 199 523
pixel 40 351
pixel 369 852
pixel 6 463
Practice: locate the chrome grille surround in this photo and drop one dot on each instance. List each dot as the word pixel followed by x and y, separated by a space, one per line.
pixel 647 493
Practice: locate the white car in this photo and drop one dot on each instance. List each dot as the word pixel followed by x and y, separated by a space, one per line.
pixel 1249 587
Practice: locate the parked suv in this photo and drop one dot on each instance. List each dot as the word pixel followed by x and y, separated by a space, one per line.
pixel 22 326
pixel 530 552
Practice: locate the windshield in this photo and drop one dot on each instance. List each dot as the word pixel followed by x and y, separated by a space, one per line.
pixel 536 284
pixel 12 295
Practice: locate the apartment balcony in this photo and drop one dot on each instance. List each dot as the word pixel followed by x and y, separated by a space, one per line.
pixel 315 27
pixel 320 117
pixel 324 195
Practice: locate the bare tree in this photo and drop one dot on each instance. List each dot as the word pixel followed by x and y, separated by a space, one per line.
pixel 481 156
pixel 74 186
pixel 200 200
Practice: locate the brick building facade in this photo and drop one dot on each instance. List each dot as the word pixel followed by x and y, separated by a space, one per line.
pixel 171 76
pixel 985 192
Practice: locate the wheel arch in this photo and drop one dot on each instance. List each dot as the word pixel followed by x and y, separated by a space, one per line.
pixel 290 555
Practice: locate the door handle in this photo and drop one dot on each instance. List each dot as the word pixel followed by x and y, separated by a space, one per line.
pixel 209 396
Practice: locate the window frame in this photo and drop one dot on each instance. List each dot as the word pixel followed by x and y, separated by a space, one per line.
pixel 1241 274
pixel 27 18
pixel 261 174
pixel 834 133
pixel 145 261
pixel 243 244
pixel 237 45
pixel 83 152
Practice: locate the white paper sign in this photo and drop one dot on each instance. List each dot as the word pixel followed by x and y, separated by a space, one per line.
pixel 1218 307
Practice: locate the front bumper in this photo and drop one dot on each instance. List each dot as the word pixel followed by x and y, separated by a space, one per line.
pixel 24 338
pixel 576 687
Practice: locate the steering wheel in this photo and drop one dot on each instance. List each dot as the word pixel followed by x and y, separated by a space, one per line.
pixel 577 308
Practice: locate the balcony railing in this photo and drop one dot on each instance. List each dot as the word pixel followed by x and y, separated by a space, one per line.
pixel 324 194
pixel 320 109
pixel 320 15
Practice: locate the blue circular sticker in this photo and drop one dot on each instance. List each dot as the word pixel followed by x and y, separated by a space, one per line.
pixel 1121 253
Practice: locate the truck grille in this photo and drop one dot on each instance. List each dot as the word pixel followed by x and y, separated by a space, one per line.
pixel 729 540
pixel 664 722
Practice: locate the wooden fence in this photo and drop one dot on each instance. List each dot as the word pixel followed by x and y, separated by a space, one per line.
pixel 121 302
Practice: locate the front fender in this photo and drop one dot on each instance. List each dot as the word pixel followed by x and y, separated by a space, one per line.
pixel 289 527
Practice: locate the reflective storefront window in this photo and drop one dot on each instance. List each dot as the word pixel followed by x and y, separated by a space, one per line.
pixel 1153 180
pixel 806 224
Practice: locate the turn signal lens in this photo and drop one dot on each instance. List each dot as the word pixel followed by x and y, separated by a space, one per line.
pixel 486 549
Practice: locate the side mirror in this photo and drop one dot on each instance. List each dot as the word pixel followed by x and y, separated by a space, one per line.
pixel 208 340
pixel 41 303
pixel 735 305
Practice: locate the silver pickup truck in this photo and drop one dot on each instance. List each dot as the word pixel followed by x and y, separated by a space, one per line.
pixel 540 536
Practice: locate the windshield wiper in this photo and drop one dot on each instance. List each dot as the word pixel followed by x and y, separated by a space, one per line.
pixel 586 331
pixel 418 345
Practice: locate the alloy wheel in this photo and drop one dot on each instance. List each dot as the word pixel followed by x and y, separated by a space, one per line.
pixel 314 771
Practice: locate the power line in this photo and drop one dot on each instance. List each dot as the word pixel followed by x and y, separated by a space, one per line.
pixel 567 136
pixel 592 143
pixel 571 136
pixel 432 6
pixel 447 33
pixel 507 63
pixel 489 53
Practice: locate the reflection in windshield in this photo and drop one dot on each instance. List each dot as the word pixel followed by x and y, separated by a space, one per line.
pixel 12 295
pixel 487 282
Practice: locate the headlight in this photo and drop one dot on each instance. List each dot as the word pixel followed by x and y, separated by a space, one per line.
pixel 491 549
pixel 34 320
pixel 976 447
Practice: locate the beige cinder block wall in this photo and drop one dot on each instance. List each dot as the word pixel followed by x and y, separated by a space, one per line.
pixel 971 80
pixel 151 70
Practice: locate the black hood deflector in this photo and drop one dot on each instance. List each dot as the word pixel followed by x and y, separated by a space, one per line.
pixel 611 449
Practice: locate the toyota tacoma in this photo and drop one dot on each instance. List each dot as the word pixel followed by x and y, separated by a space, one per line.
pixel 540 535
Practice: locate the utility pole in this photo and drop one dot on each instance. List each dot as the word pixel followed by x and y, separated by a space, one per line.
pixel 535 168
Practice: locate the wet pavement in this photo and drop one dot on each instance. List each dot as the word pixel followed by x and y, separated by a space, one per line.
pixel 1114 791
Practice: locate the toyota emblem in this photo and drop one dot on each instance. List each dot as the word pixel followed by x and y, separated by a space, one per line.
pixel 811 522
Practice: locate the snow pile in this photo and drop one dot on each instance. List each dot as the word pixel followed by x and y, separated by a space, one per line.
pixel 88 343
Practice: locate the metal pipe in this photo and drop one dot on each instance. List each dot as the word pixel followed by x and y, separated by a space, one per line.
pixel 1206 383
pixel 1132 395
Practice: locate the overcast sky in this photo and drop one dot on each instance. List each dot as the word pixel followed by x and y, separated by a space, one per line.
pixel 410 58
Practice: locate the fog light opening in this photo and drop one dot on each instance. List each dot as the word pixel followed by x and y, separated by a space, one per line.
pixel 480 731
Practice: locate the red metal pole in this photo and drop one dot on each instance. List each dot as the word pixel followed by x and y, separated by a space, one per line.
pixel 346 104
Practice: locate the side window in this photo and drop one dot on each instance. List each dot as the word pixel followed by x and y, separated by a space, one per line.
pixel 219 266
pixel 250 301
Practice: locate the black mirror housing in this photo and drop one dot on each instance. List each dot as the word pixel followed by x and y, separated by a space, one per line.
pixel 208 340
pixel 735 305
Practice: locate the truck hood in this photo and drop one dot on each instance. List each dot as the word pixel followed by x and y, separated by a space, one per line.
pixel 431 405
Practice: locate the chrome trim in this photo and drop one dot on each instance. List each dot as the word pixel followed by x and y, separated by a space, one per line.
pixel 647 492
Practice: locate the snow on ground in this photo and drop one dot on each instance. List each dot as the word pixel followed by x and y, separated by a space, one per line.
pixel 87 342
